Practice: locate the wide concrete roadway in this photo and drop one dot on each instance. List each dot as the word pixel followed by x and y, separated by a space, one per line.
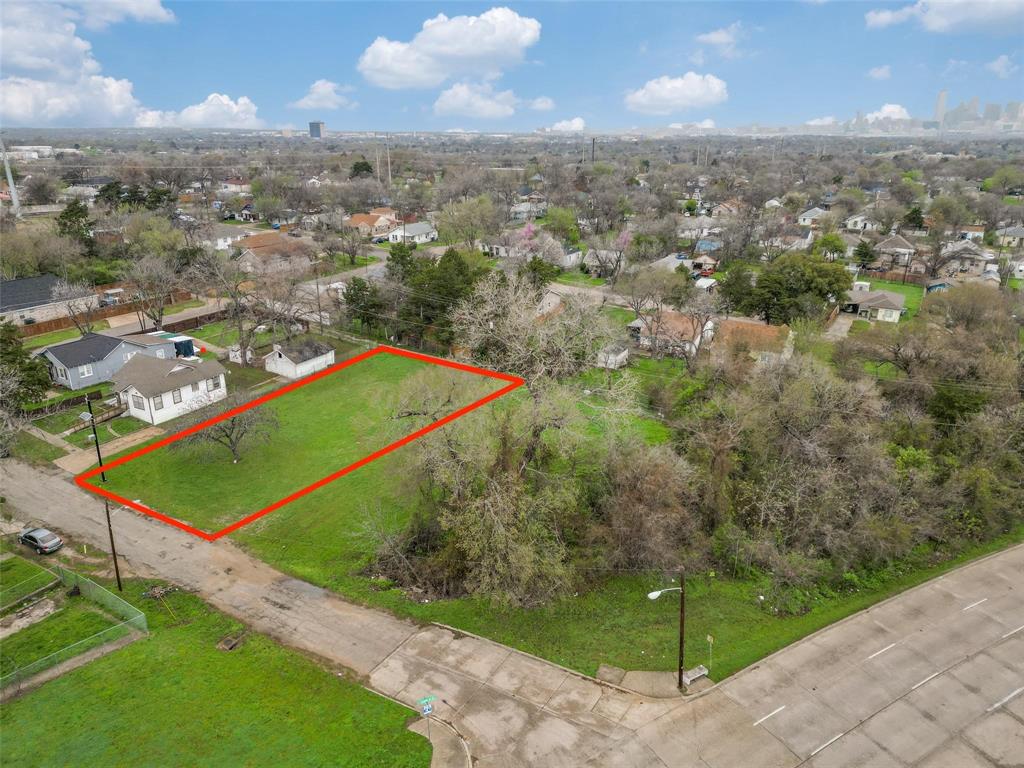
pixel 932 678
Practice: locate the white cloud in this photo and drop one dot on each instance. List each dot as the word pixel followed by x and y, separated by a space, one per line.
pixel 888 112
pixel 476 100
pixel 884 72
pixel 323 94
pixel 482 46
pixel 724 40
pixel 665 95
pixel 217 111
pixel 1002 67
pixel 52 77
pixel 822 121
pixel 951 15
pixel 576 124
pixel 542 104
pixel 697 57
pixel 706 124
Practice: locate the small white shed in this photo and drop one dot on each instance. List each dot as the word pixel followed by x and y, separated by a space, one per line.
pixel 297 360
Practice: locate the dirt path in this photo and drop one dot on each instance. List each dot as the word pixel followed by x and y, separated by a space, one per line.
pixel 83 458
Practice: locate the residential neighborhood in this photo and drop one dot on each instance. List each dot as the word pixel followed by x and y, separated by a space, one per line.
pixel 468 396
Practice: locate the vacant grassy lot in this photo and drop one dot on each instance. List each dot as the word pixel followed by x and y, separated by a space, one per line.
pixel 32 450
pixel 575 277
pixel 77 623
pixel 324 426
pixel 20 577
pixel 174 699
pixel 914 294
pixel 224 334
pixel 342 263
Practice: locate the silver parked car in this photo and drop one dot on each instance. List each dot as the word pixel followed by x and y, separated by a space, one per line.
pixel 41 540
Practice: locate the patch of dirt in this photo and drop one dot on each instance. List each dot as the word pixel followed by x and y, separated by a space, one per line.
pixel 231 642
pixel 26 617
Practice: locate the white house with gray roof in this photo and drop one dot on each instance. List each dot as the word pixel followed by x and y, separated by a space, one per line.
pixel 156 390
pixel 95 357
pixel 419 233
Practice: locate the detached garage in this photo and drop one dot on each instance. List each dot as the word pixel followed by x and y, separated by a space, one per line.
pixel 297 360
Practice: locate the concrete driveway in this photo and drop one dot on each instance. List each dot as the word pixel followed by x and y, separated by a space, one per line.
pixel 930 678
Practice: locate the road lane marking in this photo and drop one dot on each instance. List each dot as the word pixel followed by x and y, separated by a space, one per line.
pixel 774 712
pixel 879 653
pixel 930 677
pixel 1002 701
pixel 1012 632
pixel 973 604
pixel 827 743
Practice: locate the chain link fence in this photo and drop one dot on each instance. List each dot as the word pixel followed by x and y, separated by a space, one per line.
pixel 133 621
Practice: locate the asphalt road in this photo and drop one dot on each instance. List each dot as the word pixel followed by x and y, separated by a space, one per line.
pixel 932 678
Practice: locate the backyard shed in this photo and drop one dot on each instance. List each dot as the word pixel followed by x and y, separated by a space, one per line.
pixel 293 361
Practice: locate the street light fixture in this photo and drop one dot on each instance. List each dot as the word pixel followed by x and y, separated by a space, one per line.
pixel 682 619
pixel 106 502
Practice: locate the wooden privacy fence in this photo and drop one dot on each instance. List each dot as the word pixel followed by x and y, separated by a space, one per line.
pixel 60 323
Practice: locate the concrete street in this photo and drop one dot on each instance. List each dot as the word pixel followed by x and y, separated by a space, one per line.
pixel 931 678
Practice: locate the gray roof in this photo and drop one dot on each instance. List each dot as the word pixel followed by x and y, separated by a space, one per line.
pixel 418 228
pixel 1011 231
pixel 813 212
pixel 91 348
pixel 26 292
pixel 879 299
pixel 153 375
pixel 146 340
pixel 894 243
pixel 300 353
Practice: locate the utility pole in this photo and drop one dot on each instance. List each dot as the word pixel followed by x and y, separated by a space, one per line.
pixel 593 148
pixel 387 144
pixel 106 501
pixel 682 624
pixel 15 204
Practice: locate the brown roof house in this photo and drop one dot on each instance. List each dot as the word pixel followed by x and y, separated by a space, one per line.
pixel 156 390
pixel 671 333
pixel 271 252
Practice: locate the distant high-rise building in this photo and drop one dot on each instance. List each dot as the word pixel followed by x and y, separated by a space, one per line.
pixel 1014 111
pixel 318 129
pixel 992 113
pixel 940 107
pixel 973 106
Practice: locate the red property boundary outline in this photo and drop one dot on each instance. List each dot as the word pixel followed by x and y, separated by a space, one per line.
pixel 82 480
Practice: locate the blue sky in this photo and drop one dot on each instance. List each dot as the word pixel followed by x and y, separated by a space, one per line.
pixel 602 66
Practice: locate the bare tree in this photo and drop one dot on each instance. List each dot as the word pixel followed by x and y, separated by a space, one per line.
pixel 239 287
pixel 80 302
pixel 152 279
pixel 246 428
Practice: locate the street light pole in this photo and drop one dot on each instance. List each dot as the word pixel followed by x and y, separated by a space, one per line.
pixel 106 501
pixel 682 620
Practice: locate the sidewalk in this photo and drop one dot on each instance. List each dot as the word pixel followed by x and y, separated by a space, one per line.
pixel 81 459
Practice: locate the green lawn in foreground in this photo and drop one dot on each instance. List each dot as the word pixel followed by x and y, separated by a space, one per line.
pixel 914 294
pixel 173 699
pixel 324 426
pixel 119 426
pixel 32 450
pixel 20 577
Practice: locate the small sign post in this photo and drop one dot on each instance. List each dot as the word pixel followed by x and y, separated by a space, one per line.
pixel 711 645
pixel 426 707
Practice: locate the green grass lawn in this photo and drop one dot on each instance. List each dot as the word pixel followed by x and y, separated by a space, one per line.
pixel 1016 283
pixel 181 306
pixel 224 334
pixel 575 277
pixel 55 423
pixel 103 387
pixel 32 450
pixel 55 337
pixel 342 263
pixel 20 577
pixel 914 294
pixel 620 316
pixel 77 621
pixel 325 426
pixel 117 427
pixel 174 699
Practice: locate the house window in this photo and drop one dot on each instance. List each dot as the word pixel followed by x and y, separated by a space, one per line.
pixel 85 371
pixel 195 386
pixel 158 402
pixel 213 384
pixel 63 373
pixel 176 396
pixel 138 403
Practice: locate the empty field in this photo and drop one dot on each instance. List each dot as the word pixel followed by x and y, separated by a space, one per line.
pixel 325 426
